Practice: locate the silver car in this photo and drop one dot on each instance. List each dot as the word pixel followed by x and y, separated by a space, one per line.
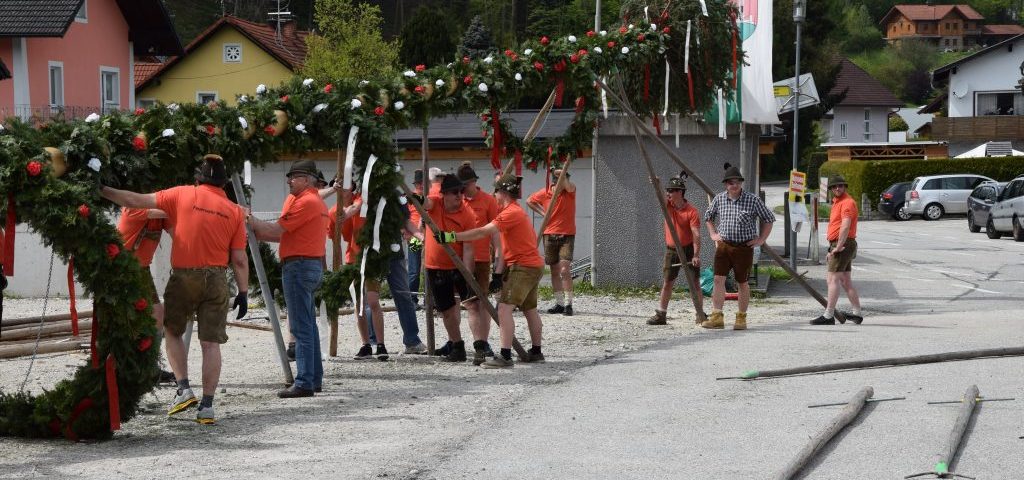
pixel 936 195
pixel 1008 212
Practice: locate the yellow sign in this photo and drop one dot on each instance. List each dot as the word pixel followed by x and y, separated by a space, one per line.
pixel 783 91
pixel 797 185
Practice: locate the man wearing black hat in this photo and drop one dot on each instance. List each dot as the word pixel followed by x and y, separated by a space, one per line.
pixel 415 244
pixel 686 222
pixel 737 212
pixel 485 208
pixel 209 234
pixel 300 231
pixel 450 213
pixel 842 241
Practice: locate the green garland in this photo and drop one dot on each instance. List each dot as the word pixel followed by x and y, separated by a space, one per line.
pixel 159 147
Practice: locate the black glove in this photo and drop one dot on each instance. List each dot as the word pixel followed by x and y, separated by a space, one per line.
pixel 242 302
pixel 496 282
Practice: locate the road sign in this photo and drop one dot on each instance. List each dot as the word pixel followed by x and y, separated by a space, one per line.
pixel 785 91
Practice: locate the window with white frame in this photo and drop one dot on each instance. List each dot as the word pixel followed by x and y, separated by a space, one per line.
pixel 83 12
pixel 867 124
pixel 56 84
pixel 232 53
pixel 145 103
pixel 110 89
pixel 999 103
pixel 842 130
pixel 204 98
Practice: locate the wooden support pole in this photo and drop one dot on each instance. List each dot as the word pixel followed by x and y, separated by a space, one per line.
pixel 559 188
pixel 534 129
pixel 65 345
pixel 850 412
pixel 467 274
pixel 46 330
pixel 336 255
pixel 428 297
pixel 14 322
pixel 956 436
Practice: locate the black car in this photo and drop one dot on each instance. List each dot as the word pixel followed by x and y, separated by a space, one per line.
pixel 979 204
pixel 892 202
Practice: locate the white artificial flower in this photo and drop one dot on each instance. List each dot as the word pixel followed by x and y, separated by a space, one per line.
pixel 398 105
pixel 356 103
pixel 572 39
pixel 631 26
pixel 604 32
pixel 307 82
pixel 173 107
pixel 243 123
pixel 2 128
pixel 449 66
pixel 261 89
pixel 625 50
pixel 519 77
pixel 94 164
pixel 168 132
pixel 409 73
pixel 654 27
pixel 439 83
pixel 395 247
pixel 243 99
pixel 528 51
pixel 301 128
pixel 363 83
pixel 597 50
pixel 482 87
pixel 319 107
pixel 489 59
pixel 92 117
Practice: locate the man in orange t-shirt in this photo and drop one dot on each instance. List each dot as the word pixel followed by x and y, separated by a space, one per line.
pixel 209 233
pixel 450 213
pixel 522 266
pixel 486 209
pixel 299 230
pixel 559 237
pixel 686 222
pixel 842 241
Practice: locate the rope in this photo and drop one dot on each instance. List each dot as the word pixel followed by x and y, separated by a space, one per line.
pixel 39 331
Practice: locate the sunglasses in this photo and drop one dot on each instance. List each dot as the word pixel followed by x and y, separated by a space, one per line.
pixel 835 186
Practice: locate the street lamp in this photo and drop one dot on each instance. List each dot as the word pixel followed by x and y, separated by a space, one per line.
pixel 799 12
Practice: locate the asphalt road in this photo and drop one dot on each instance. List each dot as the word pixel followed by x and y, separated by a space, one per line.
pixel 928 287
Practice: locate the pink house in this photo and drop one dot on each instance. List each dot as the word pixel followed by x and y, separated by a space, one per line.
pixel 76 57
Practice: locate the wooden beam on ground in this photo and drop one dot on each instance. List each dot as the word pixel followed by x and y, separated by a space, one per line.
pixel 956 436
pixel 65 345
pixel 46 330
pixel 14 322
pixel 847 415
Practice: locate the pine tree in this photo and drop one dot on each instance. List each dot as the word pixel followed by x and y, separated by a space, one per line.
pixel 426 39
pixel 476 42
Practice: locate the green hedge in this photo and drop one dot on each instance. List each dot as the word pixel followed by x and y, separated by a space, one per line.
pixel 873 177
pixel 812 165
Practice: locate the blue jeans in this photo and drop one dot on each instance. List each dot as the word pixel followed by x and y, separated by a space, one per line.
pixel 301 278
pixel 398 282
pixel 415 262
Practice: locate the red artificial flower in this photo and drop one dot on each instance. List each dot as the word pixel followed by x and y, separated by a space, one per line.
pixel 141 304
pixel 582 52
pixel 509 52
pixel 514 56
pixel 560 66
pixel 139 144
pixel 140 111
pixel 145 343
pixel 113 250
pixel 210 129
pixel 611 44
pixel 590 33
pixel 328 88
pixel 419 89
pixel 421 67
pixel 666 30
pixel 284 99
pixel 467 80
pixel 623 29
pixel 544 41
pixel 485 117
pixel 83 210
pixel 574 58
pixel 269 129
pixel 640 37
pixel 379 110
pixel 34 168
pixel 539 66
pixel 465 59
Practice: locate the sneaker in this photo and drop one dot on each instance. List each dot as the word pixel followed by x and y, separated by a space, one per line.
pixel 458 353
pixel 205 416
pixel 857 319
pixel 556 309
pixel 534 357
pixel 291 351
pixel 364 353
pixel 443 351
pixel 568 310
pixel 295 392
pixel 382 352
pixel 183 401
pixel 498 362
pixel 418 349
pixel 821 320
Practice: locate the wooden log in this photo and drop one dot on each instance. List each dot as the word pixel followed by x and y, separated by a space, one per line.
pixel 336 256
pixel 250 326
pixel 350 311
pixel 849 412
pixel 532 131
pixel 428 297
pixel 883 362
pixel 559 187
pixel 14 322
pixel 48 329
pixel 956 436
pixel 13 351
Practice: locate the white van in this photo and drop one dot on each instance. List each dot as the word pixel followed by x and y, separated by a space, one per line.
pixel 1008 212
pixel 936 195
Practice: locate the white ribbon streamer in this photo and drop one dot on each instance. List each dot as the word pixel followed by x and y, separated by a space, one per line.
pixel 664 112
pixel 604 98
pixel 247 172
pixel 355 298
pixel 365 207
pixel 350 154
pixel 703 8
pixel 675 118
pixel 362 281
pixel 646 17
pixel 721 115
pixel 376 223
pixel 686 51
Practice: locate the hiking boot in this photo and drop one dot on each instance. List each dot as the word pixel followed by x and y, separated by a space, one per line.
pixel 418 349
pixel 741 321
pixel 821 320
pixel 857 319
pixel 205 416
pixel 715 321
pixel 479 357
pixel 533 357
pixel 291 351
pixel 184 400
pixel 568 310
pixel 556 309
pixel 364 353
pixel 457 354
pixel 444 350
pixel 295 392
pixel 659 318
pixel 382 352
pixel 498 362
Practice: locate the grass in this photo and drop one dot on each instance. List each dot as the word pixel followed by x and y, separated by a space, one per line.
pixel 823 210
pixel 776 272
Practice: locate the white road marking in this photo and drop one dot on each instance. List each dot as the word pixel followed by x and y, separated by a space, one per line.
pixel 862 269
pixel 885 243
pixel 960 253
pixel 971 287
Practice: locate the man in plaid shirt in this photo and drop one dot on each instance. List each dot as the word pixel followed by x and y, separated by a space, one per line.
pixel 735 235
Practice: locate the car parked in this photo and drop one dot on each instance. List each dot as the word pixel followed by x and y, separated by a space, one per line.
pixel 933 196
pixel 893 203
pixel 979 204
pixel 1008 212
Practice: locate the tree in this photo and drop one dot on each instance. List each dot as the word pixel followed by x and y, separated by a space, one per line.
pixel 861 34
pixel 348 43
pixel 476 42
pixel 427 39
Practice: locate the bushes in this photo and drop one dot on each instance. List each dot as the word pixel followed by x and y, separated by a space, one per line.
pixel 873 177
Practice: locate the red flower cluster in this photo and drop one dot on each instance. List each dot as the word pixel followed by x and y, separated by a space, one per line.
pixel 666 30
pixel 379 110
pixel 421 67
pixel 509 52
pixel 611 44
pixel 145 343
pixel 538 66
pixel 582 52
pixel 269 129
pixel 113 250
pixel 623 29
pixel 419 89
pixel 467 80
pixel 328 88
pixel 140 111
pixel 465 59
pixel 139 144
pixel 141 304
pixel 545 41
pixel 284 99
pixel 34 168
pixel 640 37
pixel 574 58
pixel 590 33
pixel 560 66
pixel 210 129
pixel 83 210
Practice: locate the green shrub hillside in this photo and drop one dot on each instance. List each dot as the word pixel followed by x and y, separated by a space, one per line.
pixel 873 177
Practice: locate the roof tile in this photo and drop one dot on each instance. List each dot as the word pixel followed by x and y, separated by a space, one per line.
pixel 861 89
pixel 36 18
pixel 1002 30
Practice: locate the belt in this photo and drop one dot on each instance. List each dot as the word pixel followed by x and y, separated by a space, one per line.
pixel 737 244
pixel 217 268
pixel 295 258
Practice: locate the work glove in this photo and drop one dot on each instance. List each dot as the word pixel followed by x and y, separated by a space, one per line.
pixel 445 237
pixel 497 280
pixel 415 244
pixel 242 302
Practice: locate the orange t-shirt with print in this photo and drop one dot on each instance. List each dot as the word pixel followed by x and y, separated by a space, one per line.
pixel 141 234
pixel 207 226
pixel 349 230
pixel 563 218
pixel 485 207
pixel 684 219
pixel 518 242
pixel 842 207
pixel 460 220
pixel 303 218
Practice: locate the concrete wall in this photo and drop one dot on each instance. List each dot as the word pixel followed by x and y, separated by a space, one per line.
pixel 853 117
pixel 628 225
pixel 996 71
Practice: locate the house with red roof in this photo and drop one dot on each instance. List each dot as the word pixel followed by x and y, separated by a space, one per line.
pixel 949 27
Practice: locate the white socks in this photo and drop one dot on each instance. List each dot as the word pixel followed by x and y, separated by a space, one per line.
pixel 568 297
pixel 829 312
pixel 560 298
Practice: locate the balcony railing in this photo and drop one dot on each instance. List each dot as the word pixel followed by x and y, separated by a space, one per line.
pixel 979 129
pixel 43 113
